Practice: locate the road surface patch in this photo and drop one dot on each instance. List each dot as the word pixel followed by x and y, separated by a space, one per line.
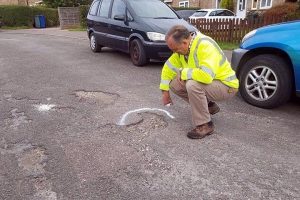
pixel 98 97
pixel 32 161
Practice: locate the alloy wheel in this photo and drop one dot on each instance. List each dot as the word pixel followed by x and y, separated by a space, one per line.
pixel 135 52
pixel 93 42
pixel 261 83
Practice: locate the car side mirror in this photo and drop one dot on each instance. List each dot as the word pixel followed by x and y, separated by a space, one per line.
pixel 119 17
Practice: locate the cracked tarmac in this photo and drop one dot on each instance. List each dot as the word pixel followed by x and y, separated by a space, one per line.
pixel 60 105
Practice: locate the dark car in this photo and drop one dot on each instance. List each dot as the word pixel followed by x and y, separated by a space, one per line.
pixel 137 27
pixel 185 14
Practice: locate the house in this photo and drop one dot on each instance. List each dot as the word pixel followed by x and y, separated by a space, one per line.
pixel 18 2
pixel 241 6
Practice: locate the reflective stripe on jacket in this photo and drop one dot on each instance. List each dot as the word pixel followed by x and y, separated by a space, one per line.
pixel 206 62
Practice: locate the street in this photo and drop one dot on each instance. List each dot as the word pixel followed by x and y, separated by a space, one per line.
pixel 62 135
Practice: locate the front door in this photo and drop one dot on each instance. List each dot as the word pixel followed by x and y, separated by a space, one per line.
pixel 241 8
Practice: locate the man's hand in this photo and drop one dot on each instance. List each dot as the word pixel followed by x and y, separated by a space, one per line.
pixel 166 98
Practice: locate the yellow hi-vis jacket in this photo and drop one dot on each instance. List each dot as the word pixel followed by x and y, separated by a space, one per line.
pixel 206 62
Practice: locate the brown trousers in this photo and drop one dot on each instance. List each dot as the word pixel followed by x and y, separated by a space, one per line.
pixel 199 94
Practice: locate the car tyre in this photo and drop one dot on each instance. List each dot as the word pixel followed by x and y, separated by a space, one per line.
pixel 137 53
pixel 266 81
pixel 95 47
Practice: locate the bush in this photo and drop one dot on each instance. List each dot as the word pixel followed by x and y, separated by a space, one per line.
pixel 14 16
pixel 295 15
pixel 83 13
pixel 284 10
pixel 227 4
pixel 66 3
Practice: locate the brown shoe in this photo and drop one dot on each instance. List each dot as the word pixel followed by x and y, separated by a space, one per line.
pixel 213 108
pixel 201 131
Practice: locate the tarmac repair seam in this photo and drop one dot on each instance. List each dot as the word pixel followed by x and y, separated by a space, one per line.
pixel 123 118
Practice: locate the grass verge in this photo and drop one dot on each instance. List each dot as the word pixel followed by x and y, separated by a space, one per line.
pixel 77 29
pixel 228 46
pixel 14 27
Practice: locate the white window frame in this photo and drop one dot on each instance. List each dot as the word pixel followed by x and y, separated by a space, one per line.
pixel 266 7
pixel 184 4
pixel 254 8
pixel 218 3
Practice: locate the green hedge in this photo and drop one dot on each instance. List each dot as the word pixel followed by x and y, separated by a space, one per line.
pixel 83 13
pixel 15 16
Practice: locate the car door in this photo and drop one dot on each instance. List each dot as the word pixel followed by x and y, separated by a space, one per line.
pixel 102 22
pixel 92 15
pixel 120 25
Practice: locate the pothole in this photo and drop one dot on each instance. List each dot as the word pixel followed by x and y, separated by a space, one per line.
pixel 99 97
pixel 10 98
pixel 17 119
pixel 32 161
pixel 130 116
pixel 148 123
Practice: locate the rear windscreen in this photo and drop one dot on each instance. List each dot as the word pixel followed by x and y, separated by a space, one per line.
pixel 199 14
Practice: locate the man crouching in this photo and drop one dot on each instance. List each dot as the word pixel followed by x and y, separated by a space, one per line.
pixel 198 72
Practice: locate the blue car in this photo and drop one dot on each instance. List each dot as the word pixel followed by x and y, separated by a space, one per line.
pixel 268 64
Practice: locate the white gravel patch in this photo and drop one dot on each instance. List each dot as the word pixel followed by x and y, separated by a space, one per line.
pixel 44 107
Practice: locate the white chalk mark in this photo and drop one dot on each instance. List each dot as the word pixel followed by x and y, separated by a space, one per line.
pixel 44 107
pixel 123 118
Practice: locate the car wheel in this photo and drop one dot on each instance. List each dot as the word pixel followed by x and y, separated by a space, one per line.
pixel 94 44
pixel 266 81
pixel 137 53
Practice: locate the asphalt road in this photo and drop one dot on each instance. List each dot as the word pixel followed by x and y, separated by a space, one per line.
pixel 60 138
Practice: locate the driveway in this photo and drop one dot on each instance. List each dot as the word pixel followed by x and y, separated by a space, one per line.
pixel 61 135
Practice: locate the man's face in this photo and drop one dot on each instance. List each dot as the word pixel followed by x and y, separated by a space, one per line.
pixel 181 47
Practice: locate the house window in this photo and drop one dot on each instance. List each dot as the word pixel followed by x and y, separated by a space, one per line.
pixel 254 4
pixel 265 4
pixel 242 5
pixel 168 2
pixel 184 4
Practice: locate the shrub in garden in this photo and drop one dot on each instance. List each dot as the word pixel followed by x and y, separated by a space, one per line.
pixel 15 16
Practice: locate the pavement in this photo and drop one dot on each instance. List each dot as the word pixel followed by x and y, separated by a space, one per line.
pixel 61 132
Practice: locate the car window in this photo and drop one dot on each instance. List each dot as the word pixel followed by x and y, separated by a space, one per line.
pixel 104 8
pixel 220 13
pixel 129 16
pixel 228 13
pixel 199 14
pixel 214 13
pixel 94 8
pixel 118 8
pixel 152 9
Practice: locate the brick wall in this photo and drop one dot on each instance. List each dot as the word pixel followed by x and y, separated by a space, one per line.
pixel 9 2
pixel 69 17
pixel 212 3
pixel 17 2
pixel 274 3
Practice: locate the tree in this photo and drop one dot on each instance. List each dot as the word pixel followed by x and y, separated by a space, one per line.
pixel 228 4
